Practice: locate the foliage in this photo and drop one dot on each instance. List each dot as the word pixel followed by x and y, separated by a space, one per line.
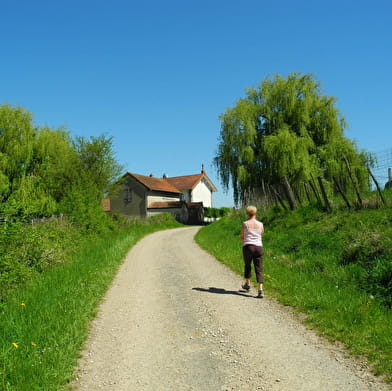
pixel 43 171
pixel 29 249
pixel 44 324
pixel 216 212
pixel 285 128
pixel 334 267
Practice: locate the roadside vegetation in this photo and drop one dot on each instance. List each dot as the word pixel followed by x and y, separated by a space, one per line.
pixel 328 221
pixel 44 323
pixel 59 250
pixel 328 236
pixel 334 267
pixel 216 212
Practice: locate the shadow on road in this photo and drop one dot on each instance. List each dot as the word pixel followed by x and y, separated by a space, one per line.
pixel 222 291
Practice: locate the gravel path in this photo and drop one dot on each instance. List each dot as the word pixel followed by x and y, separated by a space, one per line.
pixel 174 319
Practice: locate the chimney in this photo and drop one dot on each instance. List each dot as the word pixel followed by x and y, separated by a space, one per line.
pixel 202 168
pixel 151 175
pixel 164 176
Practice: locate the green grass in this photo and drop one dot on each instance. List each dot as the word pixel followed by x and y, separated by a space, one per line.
pixel 45 324
pixel 324 265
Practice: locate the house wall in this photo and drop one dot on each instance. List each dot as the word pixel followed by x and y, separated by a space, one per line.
pixel 187 195
pixel 159 197
pixel 202 193
pixel 131 202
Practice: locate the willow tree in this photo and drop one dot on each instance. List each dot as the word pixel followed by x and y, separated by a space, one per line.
pixel 285 129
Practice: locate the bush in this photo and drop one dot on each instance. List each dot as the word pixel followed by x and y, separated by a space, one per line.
pixel 365 247
pixel 28 249
pixel 372 251
pixel 216 212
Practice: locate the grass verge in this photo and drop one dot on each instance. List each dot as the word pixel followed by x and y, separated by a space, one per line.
pixel 306 267
pixel 44 325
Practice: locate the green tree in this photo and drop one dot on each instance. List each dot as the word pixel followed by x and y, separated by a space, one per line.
pixel 16 147
pixel 97 162
pixel 285 128
pixel 96 170
pixel 44 171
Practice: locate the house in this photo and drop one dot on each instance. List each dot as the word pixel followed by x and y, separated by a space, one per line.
pixel 142 196
pixel 195 188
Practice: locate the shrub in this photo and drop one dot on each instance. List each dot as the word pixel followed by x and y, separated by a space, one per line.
pixel 28 249
pixel 365 246
pixel 216 212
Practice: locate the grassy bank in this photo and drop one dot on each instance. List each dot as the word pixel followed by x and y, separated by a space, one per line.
pixel 45 324
pixel 336 268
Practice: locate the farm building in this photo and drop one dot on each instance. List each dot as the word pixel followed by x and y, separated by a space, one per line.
pixel 142 196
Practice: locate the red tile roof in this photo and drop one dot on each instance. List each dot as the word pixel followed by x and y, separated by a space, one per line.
pixel 185 182
pixel 153 183
pixel 189 181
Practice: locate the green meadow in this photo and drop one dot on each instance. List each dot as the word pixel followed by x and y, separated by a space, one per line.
pixel 335 268
pixel 44 322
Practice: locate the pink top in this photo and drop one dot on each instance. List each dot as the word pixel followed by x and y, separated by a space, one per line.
pixel 252 235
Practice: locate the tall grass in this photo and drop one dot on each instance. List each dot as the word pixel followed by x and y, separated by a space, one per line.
pixel 45 323
pixel 326 266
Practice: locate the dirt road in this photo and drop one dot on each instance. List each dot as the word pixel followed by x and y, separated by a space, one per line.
pixel 174 319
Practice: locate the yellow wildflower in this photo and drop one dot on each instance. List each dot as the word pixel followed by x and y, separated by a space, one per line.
pixel 15 345
pixel 23 304
pixel 33 344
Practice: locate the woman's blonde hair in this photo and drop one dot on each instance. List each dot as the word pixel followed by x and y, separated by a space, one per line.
pixel 251 211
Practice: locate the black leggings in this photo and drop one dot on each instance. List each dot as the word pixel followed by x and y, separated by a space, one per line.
pixel 255 254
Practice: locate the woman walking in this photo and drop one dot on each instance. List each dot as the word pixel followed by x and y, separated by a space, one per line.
pixel 252 250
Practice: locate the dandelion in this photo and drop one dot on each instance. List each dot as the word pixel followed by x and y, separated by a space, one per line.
pixel 15 345
pixel 267 275
pixel 33 344
pixel 23 304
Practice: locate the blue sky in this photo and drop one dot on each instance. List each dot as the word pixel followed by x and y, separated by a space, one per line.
pixel 156 75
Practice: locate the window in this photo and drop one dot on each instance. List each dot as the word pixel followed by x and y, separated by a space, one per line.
pixel 128 195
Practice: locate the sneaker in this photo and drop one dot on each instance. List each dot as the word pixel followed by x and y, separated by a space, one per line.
pixel 246 287
pixel 260 294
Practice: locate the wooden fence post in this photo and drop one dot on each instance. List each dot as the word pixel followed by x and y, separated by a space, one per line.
pixel 378 187
pixel 313 186
pixel 353 181
pixel 341 192
pixel 290 194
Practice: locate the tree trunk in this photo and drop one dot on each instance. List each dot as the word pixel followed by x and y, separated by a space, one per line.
pixel 290 194
pixel 324 194
pixel 279 198
pixel 307 193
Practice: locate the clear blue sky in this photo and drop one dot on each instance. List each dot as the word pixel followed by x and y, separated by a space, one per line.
pixel 156 75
